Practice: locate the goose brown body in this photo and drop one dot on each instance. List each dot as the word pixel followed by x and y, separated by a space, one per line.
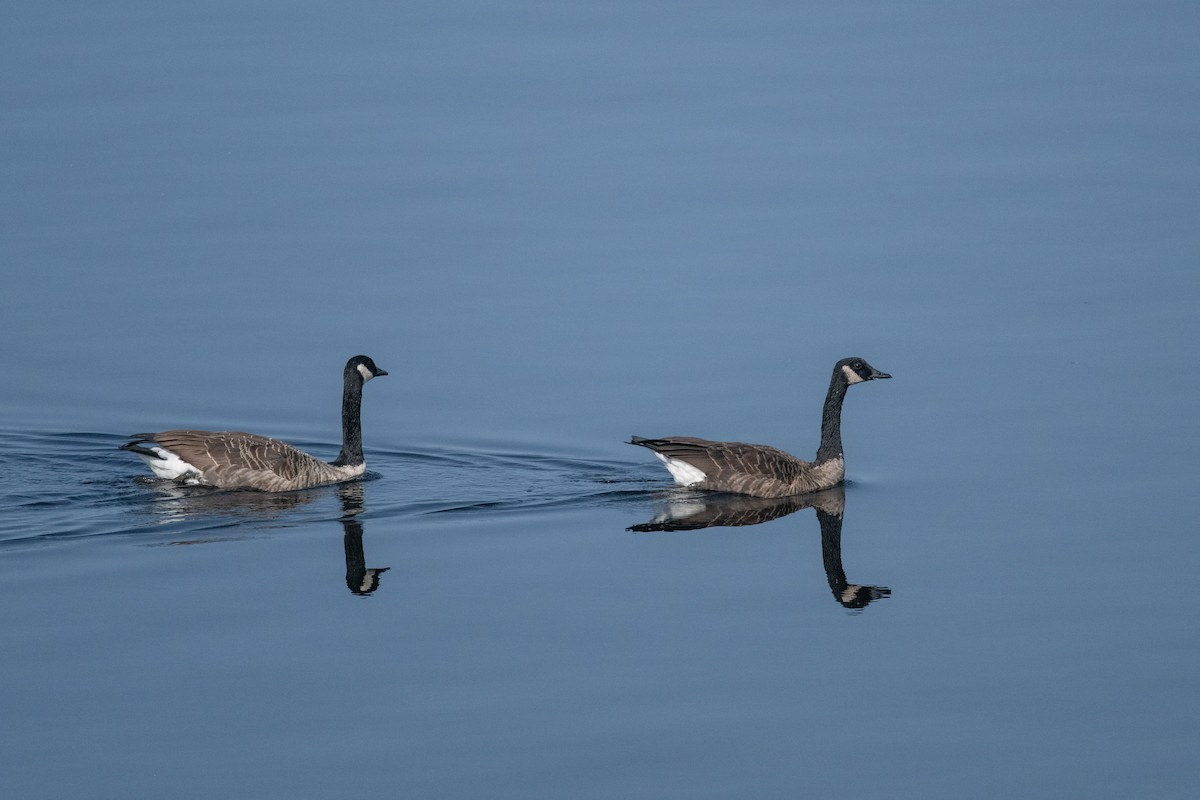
pixel 760 470
pixel 237 460
pixel 754 469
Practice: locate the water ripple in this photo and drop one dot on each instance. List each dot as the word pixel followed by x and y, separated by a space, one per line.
pixel 59 487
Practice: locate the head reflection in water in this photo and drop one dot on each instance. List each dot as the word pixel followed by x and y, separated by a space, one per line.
pixel 688 511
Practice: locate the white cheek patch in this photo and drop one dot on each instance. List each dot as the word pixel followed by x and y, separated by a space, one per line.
pixel 684 473
pixel 366 373
pixel 851 375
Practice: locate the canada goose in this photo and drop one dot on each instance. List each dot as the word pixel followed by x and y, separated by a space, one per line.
pixel 235 460
pixel 757 469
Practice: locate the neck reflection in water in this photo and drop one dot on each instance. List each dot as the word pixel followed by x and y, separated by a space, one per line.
pixel 689 511
pixel 360 579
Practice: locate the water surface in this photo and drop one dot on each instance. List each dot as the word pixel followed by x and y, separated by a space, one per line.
pixel 556 227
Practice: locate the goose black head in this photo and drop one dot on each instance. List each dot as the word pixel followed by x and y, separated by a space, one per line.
pixel 365 367
pixel 857 370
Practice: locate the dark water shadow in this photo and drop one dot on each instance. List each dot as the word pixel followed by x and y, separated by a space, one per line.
pixel 691 511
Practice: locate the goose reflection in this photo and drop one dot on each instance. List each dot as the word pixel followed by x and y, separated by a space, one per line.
pixel 173 502
pixel 695 511
pixel 196 506
pixel 360 579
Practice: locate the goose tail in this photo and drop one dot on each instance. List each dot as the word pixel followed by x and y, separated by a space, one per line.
pixel 135 446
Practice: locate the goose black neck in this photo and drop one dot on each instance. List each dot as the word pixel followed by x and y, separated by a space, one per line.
pixel 352 453
pixel 831 552
pixel 831 418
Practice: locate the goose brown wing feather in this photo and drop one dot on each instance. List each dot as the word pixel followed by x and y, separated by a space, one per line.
pixel 235 458
pixel 734 463
pixel 737 458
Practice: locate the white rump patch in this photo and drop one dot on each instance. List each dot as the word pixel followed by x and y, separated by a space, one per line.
pixel 684 473
pixel 851 375
pixel 171 467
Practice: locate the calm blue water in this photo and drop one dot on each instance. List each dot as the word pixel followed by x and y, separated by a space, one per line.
pixel 556 226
